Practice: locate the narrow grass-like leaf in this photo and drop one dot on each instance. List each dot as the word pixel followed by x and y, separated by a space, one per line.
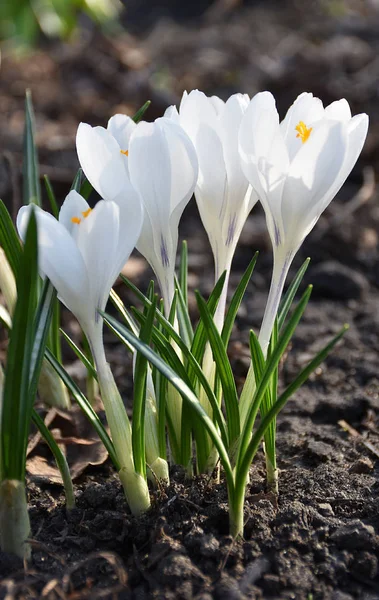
pixel 31 183
pixel 60 459
pixel 86 407
pixel 77 182
pixel 86 189
pixel 51 196
pixel 281 401
pixel 42 324
pixel 185 325
pixel 200 337
pixel 223 369
pixel 268 400
pixel 235 303
pixel 183 273
pixel 271 365
pixel 287 300
pixel 17 401
pixel 184 390
pixel 9 239
pixel 141 111
pixel 139 401
pixel 80 355
pixel 165 348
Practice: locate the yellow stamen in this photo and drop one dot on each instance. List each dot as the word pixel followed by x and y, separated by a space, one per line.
pixel 126 152
pixel 86 212
pixel 303 131
pixel 75 220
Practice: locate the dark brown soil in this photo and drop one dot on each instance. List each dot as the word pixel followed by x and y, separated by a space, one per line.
pixel 319 540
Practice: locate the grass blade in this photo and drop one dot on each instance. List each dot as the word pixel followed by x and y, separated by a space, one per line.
pixel 9 239
pixel 31 183
pixel 236 301
pixel 223 369
pixel 187 394
pixel 17 400
pixel 271 365
pixel 86 407
pixel 140 372
pixel 287 300
pixel 51 197
pixel 141 111
pixel 60 459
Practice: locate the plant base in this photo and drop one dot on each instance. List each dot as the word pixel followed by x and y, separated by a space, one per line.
pixel 14 518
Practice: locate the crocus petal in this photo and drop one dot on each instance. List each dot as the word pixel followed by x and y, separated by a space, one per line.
pixel 97 242
pixel 312 173
pixel 59 259
pixel 338 111
pixel 163 169
pixel 121 127
pixel 172 113
pixel 73 208
pixel 356 130
pixel 306 109
pixel 230 120
pixel 264 158
pixel 101 160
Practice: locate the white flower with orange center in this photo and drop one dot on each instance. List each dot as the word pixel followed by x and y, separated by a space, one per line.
pixel 155 162
pixel 83 252
pixel 223 194
pixel 296 167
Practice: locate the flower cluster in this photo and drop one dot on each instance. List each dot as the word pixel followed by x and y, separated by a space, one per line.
pixel 230 155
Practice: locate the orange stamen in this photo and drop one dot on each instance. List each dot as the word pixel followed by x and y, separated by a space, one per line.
pixel 303 131
pixel 126 152
pixel 86 212
pixel 75 220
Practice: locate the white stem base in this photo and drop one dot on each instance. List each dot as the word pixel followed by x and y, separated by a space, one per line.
pixel 136 491
pixel 14 518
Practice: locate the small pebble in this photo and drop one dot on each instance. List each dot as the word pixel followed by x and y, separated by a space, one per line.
pixel 362 466
pixel 325 509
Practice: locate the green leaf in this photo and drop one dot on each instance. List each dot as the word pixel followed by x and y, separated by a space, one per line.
pixel 77 182
pixel 81 356
pixel 51 196
pixel 223 369
pixel 60 459
pixel 183 273
pixel 287 300
pixel 9 239
pixel 42 324
pixel 86 407
pixel 141 111
pixel 281 401
pixel 271 365
pixel 184 390
pixel 17 400
pixel 200 337
pixel 185 325
pixel 139 400
pixel 31 183
pixel 236 301
pixel 170 356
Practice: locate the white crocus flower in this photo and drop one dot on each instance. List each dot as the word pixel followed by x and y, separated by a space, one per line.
pixel 297 167
pixel 223 194
pixel 82 254
pixel 156 160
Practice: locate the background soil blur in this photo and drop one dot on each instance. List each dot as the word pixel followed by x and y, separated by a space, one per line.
pixel 321 540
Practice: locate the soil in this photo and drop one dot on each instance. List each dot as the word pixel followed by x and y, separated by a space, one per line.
pixel 319 539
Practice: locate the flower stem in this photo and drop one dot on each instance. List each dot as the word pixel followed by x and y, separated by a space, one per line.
pixel 14 518
pixel 281 266
pixel 134 484
pixel 236 506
